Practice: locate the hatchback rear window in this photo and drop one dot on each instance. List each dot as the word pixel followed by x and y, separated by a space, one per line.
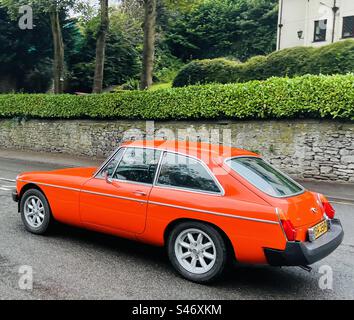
pixel 265 177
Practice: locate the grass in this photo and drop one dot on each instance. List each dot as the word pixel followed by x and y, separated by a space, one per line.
pixel 158 86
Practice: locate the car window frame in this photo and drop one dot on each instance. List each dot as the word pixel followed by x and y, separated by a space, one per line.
pixel 137 182
pixel 303 190
pixel 221 192
pixel 158 169
pixel 107 162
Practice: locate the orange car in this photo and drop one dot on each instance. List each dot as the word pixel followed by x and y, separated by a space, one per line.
pixel 205 203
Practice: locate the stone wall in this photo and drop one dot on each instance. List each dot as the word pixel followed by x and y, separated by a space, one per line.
pixel 305 149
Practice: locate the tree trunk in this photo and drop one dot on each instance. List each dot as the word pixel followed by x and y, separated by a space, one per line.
pixel 149 44
pixel 101 48
pixel 58 69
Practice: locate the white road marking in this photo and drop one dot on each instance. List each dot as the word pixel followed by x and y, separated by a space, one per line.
pixel 7 180
pixel 345 203
pixel 6 189
pixel 7 186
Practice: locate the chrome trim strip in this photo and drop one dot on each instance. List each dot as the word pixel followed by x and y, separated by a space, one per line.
pixel 216 194
pixel 119 162
pixel 106 162
pixel 213 213
pixel 156 203
pixel 133 182
pixel 84 191
pixel 158 169
pixel 50 185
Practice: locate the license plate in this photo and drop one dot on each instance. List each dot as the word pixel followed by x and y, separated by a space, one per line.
pixel 318 230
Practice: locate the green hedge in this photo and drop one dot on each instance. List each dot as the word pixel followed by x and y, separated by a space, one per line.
pixel 209 71
pixel 337 58
pixel 329 97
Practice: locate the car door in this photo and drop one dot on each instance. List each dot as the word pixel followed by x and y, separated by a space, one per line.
pixel 119 201
pixel 184 184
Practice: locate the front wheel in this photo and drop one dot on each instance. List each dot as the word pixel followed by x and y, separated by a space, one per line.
pixel 197 251
pixel 35 211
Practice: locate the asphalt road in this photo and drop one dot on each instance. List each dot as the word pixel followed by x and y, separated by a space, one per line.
pixel 78 264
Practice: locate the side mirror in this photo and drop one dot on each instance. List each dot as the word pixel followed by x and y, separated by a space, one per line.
pixel 107 178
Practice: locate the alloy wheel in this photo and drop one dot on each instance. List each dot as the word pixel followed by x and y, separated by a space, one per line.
pixel 195 251
pixel 34 211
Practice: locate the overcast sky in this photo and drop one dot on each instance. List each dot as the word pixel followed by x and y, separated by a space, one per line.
pixel 96 3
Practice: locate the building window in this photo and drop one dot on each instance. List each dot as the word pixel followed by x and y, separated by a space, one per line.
pixel 320 30
pixel 348 27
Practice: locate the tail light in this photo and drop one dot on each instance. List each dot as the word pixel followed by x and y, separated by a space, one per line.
pixel 329 210
pixel 289 230
pixel 327 207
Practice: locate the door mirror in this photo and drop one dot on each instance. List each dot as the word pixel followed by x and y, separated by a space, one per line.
pixel 107 177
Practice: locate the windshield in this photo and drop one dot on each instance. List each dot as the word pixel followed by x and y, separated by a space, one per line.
pixel 265 177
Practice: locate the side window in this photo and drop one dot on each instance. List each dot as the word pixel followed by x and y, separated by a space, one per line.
pixel 138 165
pixel 111 166
pixel 184 172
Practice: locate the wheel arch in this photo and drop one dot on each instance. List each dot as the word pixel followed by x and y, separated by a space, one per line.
pixel 230 249
pixel 27 187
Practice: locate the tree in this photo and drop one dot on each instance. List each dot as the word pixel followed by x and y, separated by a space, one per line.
pixel 59 59
pixel 53 8
pixel 257 28
pixel 222 28
pixel 149 44
pixel 122 54
pixel 101 47
pixel 150 16
pixel 25 62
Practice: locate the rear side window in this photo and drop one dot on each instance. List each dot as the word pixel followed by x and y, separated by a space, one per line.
pixel 186 173
pixel 265 177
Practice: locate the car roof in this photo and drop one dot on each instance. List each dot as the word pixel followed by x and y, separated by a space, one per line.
pixel 196 149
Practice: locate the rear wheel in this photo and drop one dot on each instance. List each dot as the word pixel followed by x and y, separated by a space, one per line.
pixel 35 212
pixel 197 251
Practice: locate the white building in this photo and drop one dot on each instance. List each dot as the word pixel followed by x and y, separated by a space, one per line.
pixel 314 22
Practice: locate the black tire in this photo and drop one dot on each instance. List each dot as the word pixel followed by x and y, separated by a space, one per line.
pixel 219 250
pixel 47 219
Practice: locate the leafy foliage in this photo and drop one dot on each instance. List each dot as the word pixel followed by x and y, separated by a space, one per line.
pixel 185 29
pixel 40 6
pixel 219 28
pixel 122 54
pixel 24 55
pixel 275 98
pixel 337 58
pixel 209 71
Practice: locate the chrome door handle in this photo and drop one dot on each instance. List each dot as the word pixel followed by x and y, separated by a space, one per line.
pixel 140 193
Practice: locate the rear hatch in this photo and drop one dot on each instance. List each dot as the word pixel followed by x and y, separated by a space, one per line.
pixel 302 210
